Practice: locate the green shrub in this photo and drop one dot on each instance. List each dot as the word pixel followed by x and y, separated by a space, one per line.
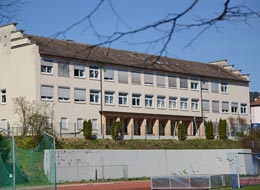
pixel 87 129
pixel 209 130
pixel 116 129
pixel 181 132
pixel 222 129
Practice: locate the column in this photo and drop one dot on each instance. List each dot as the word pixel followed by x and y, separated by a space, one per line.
pixel 168 128
pixel 156 128
pixel 103 125
pixel 130 127
pixel 143 128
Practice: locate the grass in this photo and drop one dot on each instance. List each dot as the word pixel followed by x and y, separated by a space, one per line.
pixel 75 143
pixel 251 187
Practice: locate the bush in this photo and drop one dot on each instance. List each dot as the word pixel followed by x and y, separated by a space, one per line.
pixel 181 132
pixel 209 130
pixel 222 129
pixel 116 129
pixel 87 129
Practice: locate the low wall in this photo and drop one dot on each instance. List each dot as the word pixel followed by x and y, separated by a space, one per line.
pixel 78 165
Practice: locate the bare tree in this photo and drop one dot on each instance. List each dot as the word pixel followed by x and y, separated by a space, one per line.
pixel 9 9
pixel 168 26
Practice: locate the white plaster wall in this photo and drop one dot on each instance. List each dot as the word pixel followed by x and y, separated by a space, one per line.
pixel 255 114
pixel 77 165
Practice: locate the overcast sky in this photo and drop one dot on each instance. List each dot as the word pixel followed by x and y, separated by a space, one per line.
pixel 239 43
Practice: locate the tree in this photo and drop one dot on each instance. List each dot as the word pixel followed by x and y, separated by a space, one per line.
pixel 229 11
pixel 33 116
pixel 222 129
pixel 87 129
pixel 209 130
pixel 116 125
pixel 181 132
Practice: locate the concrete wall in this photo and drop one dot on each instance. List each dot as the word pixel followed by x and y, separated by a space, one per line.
pixel 77 165
pixel 255 114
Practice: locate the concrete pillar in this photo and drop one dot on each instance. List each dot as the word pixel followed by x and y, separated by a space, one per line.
pixel 156 128
pixel 190 129
pixel 143 128
pixel 168 128
pixel 202 130
pixel 130 127
pixel 103 125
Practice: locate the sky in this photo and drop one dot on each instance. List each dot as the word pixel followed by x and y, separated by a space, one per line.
pixel 237 42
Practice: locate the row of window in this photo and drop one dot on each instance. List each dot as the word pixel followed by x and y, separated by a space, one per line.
pixel 94 73
pixel 149 100
pixel 64 123
pixel 3 96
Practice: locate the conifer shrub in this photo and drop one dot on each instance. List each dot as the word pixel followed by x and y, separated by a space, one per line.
pixel 222 129
pixel 115 130
pixel 87 129
pixel 209 130
pixel 181 132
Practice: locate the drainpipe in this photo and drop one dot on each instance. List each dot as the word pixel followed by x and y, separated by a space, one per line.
pixel 201 104
pixel 101 101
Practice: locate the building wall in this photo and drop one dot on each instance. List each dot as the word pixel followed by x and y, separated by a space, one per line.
pixel 78 165
pixel 255 114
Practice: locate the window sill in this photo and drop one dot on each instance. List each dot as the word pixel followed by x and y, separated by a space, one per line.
pixel 195 110
pixel 108 80
pixel 158 86
pixel 194 89
pixel 136 106
pixel 161 108
pixel 64 101
pixel 78 77
pixel 122 105
pixel 49 74
pixel 136 83
pixel 147 107
pixel 225 112
pixel 109 104
pixel 224 93
pixel 3 103
pixel 97 79
pixel 173 109
pixel 148 84
pixel 94 103
pixel 184 110
pixel 79 102
pixel 47 100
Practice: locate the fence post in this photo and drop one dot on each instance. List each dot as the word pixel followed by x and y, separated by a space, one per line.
pixel 75 134
pixel 60 131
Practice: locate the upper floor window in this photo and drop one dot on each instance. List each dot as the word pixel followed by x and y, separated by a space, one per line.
pixel 172 82
pixel 64 123
pixel 234 107
pixel 204 85
pixel 109 73
pixel 64 94
pixel 136 100
pixel 225 106
pixel 214 86
pixel 148 101
pixel 183 83
pixel 123 98
pixel 94 96
pixel 63 69
pixel 184 104
pixel 123 76
pixel 136 77
pixel 243 108
pixel 160 80
pixel 224 87
pixel 79 95
pixel 93 72
pixel 205 105
pixel 46 67
pixel 94 124
pixel 80 123
pixel 109 97
pixel 194 85
pixel 215 106
pixel 172 103
pixel 79 71
pixel 46 92
pixel 161 102
pixel 195 105
pixel 3 96
pixel 148 78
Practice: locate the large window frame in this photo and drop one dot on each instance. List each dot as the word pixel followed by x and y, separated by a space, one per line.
pixel 80 96
pixel 149 101
pixel 243 108
pixel 184 104
pixel 136 100
pixel 123 99
pixel 194 104
pixel 79 71
pixel 172 103
pixel 94 97
pixel 47 95
pixel 161 102
pixel 109 98
pixel 3 96
pixel 94 72
pixel 224 87
pixel 63 94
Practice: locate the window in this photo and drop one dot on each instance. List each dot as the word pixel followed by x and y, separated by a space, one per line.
pixel 148 101
pixel 79 95
pixel 123 99
pixel 46 67
pixel 95 124
pixel 172 103
pixel 136 77
pixel 64 94
pixel 161 102
pixel 148 78
pixel 46 92
pixel 225 107
pixel 214 87
pixel 205 105
pixel 161 80
pixel 172 82
pixel 136 100
pixel 194 85
pixel 215 106
pixel 123 76
pixel 4 124
pixel 64 123
pixel 224 87
pixel 204 85
pixel 63 69
pixel 3 96
pixel 234 107
pixel 109 97
pixel 183 83
pixel 94 72
pixel 108 73
pixel 184 104
pixel 194 104
pixel 80 123
pixel 94 96
pixel 79 71
pixel 243 108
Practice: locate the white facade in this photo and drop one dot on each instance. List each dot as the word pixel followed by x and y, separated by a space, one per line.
pixel 255 112
pixel 148 102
